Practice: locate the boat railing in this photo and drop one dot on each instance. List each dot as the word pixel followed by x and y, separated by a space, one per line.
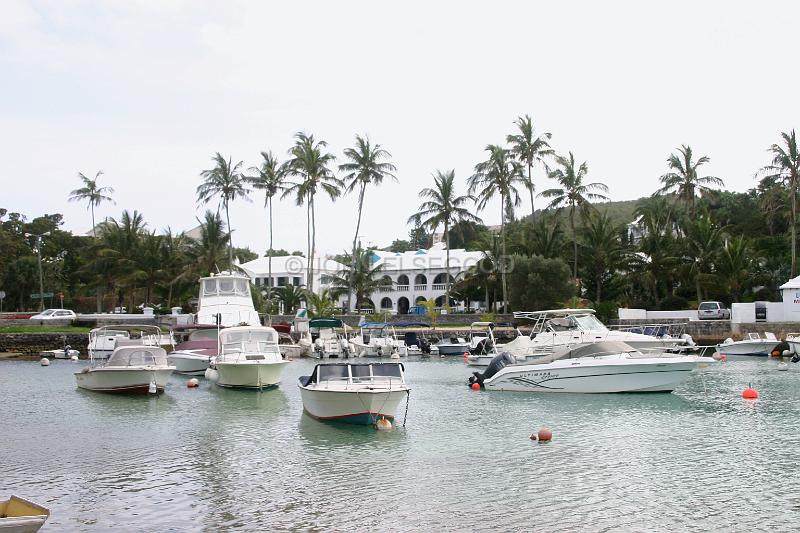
pixel 674 329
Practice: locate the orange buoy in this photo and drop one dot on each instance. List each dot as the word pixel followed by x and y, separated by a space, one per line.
pixel 723 357
pixel 475 386
pixel 750 393
pixel 544 434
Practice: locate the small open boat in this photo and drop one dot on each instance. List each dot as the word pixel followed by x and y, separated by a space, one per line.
pixel 249 357
pixel 18 515
pixel 354 393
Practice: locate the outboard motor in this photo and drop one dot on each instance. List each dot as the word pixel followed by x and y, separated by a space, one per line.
pixel 424 346
pixel 483 347
pixel 498 363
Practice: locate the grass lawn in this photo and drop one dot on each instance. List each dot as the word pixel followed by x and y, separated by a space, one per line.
pixel 43 329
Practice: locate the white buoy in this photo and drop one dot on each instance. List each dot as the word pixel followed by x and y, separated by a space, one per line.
pixel 44 361
pixel 783 366
pixel 152 389
pixel 211 374
pixel 383 424
pixel 74 358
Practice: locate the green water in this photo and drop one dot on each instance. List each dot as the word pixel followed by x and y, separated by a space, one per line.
pixel 213 459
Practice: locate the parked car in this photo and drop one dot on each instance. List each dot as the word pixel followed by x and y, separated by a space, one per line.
pixel 713 311
pixel 761 311
pixel 55 314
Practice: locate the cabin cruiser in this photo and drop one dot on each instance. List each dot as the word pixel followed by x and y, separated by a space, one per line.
pixel 354 393
pixel 328 344
pixel 377 339
pixel 754 344
pixel 136 365
pixel 193 355
pixel 225 300
pixel 18 515
pixel 103 340
pixel 249 357
pixel 559 327
pixel 602 367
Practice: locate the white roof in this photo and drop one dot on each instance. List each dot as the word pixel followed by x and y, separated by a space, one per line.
pixel 292 265
pixel 433 258
pixel 793 283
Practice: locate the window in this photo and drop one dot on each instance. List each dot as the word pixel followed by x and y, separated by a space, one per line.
pixel 209 287
pixel 282 281
pixel 225 286
pixel 258 282
pixel 242 287
pixel 296 281
pixel 332 372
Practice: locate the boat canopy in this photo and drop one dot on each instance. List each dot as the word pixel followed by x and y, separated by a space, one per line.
pixel 225 286
pixel 283 327
pixel 248 340
pixel 325 323
pixel 359 371
pixel 410 325
pixel 374 325
pixel 585 350
pixel 137 356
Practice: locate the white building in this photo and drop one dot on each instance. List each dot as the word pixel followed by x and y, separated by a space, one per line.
pixel 290 270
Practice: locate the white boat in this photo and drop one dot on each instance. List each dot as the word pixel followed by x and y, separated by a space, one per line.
pixel 453 345
pixel 18 515
pixel 354 393
pixel 193 355
pixel 135 368
pixel 103 340
pixel 560 327
pixel 249 357
pixel 377 339
pixel 225 300
pixel 328 343
pixel 602 367
pixel 65 353
pixel 754 344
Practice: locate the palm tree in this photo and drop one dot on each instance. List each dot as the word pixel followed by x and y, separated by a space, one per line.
pixel 290 296
pixel 443 207
pixel 704 240
pixel 530 150
pixel 500 174
pixel 271 178
pixel 657 243
pixel 94 194
pixel 208 253
pixel 367 165
pixel 735 265
pixel 226 181
pixel 573 193
pixel 310 163
pixel 320 305
pixel 363 277
pixel 684 180
pixel 605 250
pixel 786 167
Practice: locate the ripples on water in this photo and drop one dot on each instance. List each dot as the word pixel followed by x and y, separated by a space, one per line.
pixel 222 460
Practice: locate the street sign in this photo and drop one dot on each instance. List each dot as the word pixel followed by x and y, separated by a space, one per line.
pixel 42 295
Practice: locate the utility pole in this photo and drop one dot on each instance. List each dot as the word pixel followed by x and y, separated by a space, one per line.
pixel 41 278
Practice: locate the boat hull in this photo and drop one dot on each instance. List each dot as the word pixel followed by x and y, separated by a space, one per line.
pixel 124 380
pixel 250 374
pixel 453 349
pixel 595 376
pixel 292 351
pixel 355 407
pixel 189 363
pixel 18 515
pixel 757 348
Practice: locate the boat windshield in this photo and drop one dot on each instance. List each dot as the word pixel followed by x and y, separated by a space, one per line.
pixel 376 332
pixel 224 286
pixel 357 372
pixel 588 322
pixel 249 341
pixel 137 356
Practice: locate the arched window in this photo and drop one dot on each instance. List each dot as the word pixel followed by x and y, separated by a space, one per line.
pixel 402 305
pixel 419 300
pixel 386 303
pixel 440 279
pixel 420 279
pixel 402 279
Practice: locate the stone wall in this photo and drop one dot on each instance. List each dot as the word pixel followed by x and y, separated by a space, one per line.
pixel 33 343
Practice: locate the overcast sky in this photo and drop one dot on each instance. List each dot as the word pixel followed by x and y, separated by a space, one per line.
pixel 148 91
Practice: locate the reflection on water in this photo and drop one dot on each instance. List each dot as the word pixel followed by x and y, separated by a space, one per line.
pixel 224 459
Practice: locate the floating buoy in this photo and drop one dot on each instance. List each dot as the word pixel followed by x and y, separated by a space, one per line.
pixel 152 389
pixel 716 356
pixel 44 361
pixel 544 434
pixel 783 366
pixel 723 357
pixel 475 386
pixel 749 393
pixel 211 374
pixel 466 355
pixel 73 358
pixel 383 424
pixel 192 383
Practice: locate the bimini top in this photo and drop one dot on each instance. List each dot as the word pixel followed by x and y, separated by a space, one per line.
pixel 410 325
pixel 533 315
pixel 585 350
pixel 325 323
pixel 246 339
pixel 137 356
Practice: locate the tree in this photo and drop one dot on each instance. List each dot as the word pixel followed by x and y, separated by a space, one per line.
pixel 362 277
pixel 94 194
pixel 529 149
pixel 270 177
pixel 366 165
pixel 573 193
pixel 703 244
pixel 320 305
pixel 601 240
pixel 310 163
pixel 785 167
pixel 208 253
pixel 539 283
pixel 290 296
pixel 443 207
pixel 226 181
pixel 735 265
pixel 684 180
pixel 499 174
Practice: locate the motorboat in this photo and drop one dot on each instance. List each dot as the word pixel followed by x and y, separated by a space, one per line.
pixel 602 367
pixel 487 347
pixel 65 353
pixel 559 327
pixel 753 344
pixel 225 300
pixel 193 355
pixel 103 340
pixel 377 339
pixel 328 344
pixel 357 393
pixel 249 357
pixel 133 367
pixel 452 344
pixel 18 515
pixel 288 347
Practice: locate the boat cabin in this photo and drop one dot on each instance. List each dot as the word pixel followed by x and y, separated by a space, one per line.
pixel 137 356
pixel 226 298
pixel 355 373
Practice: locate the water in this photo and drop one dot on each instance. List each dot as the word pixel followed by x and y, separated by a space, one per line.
pixel 212 459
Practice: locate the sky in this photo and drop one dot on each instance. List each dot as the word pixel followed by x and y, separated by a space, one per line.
pixel 147 92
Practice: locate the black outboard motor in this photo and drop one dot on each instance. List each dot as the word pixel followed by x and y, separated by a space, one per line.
pixel 424 345
pixel 483 347
pixel 498 363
